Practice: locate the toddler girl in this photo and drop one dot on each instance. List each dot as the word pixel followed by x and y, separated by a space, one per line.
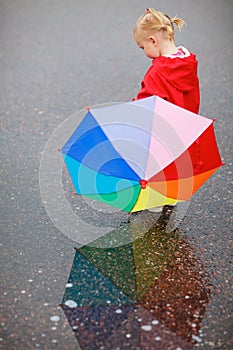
pixel 173 73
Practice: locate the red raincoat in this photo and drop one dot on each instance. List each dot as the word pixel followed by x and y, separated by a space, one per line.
pixel 174 79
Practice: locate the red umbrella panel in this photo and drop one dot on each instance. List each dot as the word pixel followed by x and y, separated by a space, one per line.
pixel 141 154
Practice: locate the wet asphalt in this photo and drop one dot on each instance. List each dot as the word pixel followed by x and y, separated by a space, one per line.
pixel 56 58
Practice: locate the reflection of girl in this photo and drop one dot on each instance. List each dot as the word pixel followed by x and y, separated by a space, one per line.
pixel 173 73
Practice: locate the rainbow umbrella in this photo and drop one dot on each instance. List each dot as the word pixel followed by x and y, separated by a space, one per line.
pixel 141 154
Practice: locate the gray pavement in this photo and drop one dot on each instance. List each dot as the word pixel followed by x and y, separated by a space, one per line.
pixel 56 58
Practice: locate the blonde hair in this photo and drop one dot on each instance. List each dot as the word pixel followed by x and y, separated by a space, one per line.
pixel 153 21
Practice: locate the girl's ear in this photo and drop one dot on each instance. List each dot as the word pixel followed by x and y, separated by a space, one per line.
pixel 154 40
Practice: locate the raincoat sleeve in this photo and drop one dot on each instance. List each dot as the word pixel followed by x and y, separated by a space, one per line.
pixel 150 86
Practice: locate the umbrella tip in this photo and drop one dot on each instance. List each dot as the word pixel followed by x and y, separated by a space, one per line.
pixel 143 184
pixel 75 193
pixel 88 108
pixel 59 149
pixel 214 119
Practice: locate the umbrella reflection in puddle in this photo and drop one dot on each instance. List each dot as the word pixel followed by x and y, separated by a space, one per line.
pixel 147 294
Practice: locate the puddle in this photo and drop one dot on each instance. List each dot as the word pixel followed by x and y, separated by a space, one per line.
pixel 148 294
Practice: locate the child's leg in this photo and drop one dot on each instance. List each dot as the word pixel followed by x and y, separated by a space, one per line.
pixel 159 209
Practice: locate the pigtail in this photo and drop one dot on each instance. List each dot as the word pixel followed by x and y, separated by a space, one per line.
pixel 178 22
pixel 154 21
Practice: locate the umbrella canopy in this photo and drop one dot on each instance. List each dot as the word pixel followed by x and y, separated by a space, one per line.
pixel 141 154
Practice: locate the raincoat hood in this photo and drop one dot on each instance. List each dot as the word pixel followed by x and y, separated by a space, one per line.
pixel 180 72
pixel 175 79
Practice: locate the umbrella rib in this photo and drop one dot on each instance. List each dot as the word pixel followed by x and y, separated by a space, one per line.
pixel 148 149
